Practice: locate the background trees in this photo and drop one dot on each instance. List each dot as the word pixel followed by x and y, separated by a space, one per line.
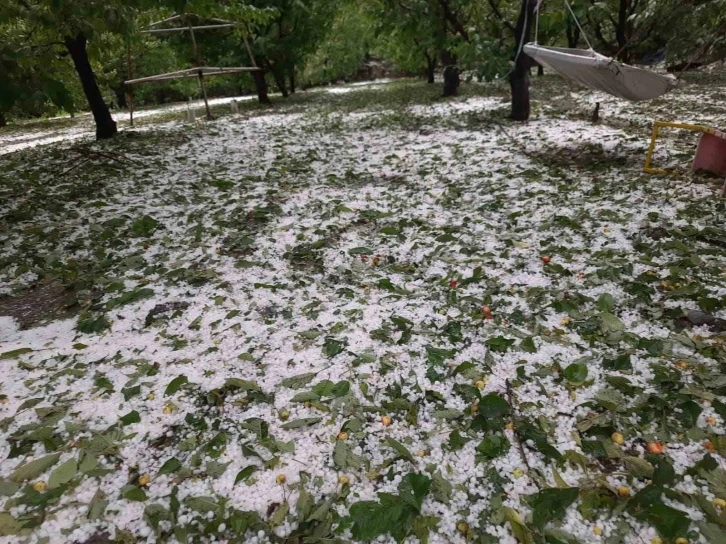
pixel 64 55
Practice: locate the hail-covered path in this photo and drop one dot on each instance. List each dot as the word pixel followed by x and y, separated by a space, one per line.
pixel 370 315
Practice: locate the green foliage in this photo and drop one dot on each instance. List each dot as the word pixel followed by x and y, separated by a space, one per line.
pixel 394 514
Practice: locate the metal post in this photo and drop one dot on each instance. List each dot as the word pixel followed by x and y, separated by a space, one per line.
pixel 200 72
pixel 129 88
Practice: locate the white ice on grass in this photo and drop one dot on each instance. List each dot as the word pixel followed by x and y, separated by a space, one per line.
pixel 235 325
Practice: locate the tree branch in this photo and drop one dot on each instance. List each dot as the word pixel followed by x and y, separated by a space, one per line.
pixel 498 14
pixel 451 17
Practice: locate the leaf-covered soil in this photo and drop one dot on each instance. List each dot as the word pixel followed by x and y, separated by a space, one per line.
pixel 368 315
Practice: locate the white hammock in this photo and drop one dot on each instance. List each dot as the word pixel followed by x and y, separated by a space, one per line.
pixel 601 73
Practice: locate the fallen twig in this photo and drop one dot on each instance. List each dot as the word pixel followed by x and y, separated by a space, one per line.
pixel 522 452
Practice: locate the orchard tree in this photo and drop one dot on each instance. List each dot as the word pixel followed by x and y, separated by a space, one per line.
pixel 519 78
pixel 281 42
pixel 410 34
pixel 350 41
pixel 32 73
pixel 71 24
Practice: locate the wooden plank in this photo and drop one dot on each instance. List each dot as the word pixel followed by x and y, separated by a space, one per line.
pixel 170 30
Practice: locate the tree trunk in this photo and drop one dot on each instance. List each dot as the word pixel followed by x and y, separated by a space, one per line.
pixel 105 125
pixel 261 85
pixel 120 93
pixel 3 121
pixel 430 69
pixel 451 74
pixel 519 78
pixel 279 77
pixel 621 31
pixel 291 76
pixel 573 35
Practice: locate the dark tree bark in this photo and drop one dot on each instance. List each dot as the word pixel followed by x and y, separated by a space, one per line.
pixel 3 121
pixel 430 68
pixel 261 86
pixel 291 76
pixel 519 78
pixel 621 30
pixel 279 78
pixel 451 74
pixel 120 93
pixel 540 69
pixel 105 125
pixel 573 34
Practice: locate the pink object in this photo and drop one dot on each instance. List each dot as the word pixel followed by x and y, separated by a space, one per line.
pixel 711 154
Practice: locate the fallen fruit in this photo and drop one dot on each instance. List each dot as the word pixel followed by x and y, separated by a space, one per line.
pixel 343 480
pixel 656 540
pixel 711 420
pixel 546 259
pixel 655 448
pixel 284 414
pixel 462 527
pixel 480 384
pixel 486 310
pixel 386 420
pixel 597 531
pixel 624 491
pixel 453 284
pixel 342 435
pixel 144 480
pixel 708 446
pixel 719 503
pixel 40 486
pixel 681 540
pixel 517 473
pixel 281 479
pixel 682 365
pixel 618 438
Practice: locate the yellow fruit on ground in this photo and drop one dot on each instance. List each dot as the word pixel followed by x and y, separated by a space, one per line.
pixel 40 486
pixel 711 420
pixel 682 364
pixel 618 438
pixel 462 526
pixel 343 480
pixel 719 503
pixel 168 409
pixel 656 540
pixel 342 435
pixel 681 540
pixel 509 426
pixel 597 531
pixel 517 473
pixel 150 396
pixel 284 414
pixel 386 420
pixel 655 448
pixel 144 480
pixel 565 321
pixel 624 491
pixel 422 453
pixel 3 400
pixel 480 384
pixel 281 479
